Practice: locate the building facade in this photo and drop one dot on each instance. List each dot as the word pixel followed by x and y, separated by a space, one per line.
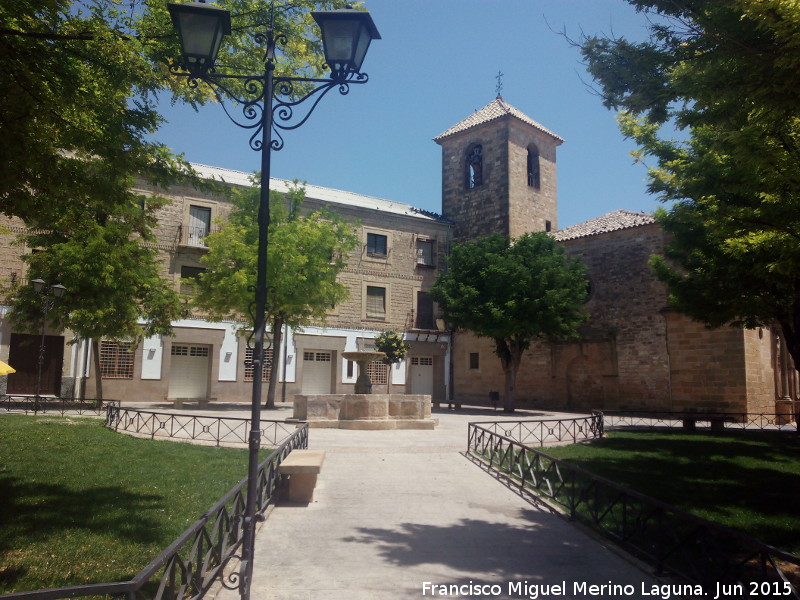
pixel 498 175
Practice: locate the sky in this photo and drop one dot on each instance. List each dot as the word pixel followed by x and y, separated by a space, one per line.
pixel 437 63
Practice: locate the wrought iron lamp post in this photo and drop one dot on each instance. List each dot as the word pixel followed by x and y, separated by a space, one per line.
pixel 268 105
pixel 49 294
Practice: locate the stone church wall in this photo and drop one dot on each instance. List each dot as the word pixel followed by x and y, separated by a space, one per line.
pixel 634 353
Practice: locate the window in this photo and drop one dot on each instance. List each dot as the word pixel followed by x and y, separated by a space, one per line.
pixel 425 252
pixel 474 166
pixel 199 225
pixel 116 360
pixel 474 361
pixel 190 276
pixel 378 372
pixel 534 170
pixel 266 367
pixel 548 226
pixel 376 302
pixel 350 364
pixel 424 318
pixel 376 245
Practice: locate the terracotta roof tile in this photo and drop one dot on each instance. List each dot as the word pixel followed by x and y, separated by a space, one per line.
pixel 496 109
pixel 613 221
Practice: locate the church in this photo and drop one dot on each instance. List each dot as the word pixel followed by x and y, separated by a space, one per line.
pixel 498 175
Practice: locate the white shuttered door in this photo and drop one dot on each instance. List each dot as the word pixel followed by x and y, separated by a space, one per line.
pixel 188 373
pixel 421 375
pixel 317 365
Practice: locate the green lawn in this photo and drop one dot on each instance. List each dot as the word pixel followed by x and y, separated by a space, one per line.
pixel 749 481
pixel 82 504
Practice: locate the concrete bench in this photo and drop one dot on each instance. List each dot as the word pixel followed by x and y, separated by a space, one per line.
pixel 717 421
pixel 201 402
pixel 302 467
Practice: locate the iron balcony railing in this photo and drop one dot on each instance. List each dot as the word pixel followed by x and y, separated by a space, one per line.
pixel 220 431
pixel 675 541
pixel 206 553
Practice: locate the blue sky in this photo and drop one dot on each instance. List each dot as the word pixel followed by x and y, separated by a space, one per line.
pixel 435 65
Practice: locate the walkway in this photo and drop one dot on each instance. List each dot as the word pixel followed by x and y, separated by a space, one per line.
pixel 396 509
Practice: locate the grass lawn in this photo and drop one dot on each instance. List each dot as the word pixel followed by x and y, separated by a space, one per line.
pixel 749 481
pixel 82 504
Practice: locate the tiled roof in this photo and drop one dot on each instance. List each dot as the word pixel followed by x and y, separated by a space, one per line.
pixel 613 221
pixel 496 109
pixel 315 192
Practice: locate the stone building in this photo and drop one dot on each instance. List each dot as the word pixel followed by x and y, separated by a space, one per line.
pixel 634 353
pixel 388 277
pixel 498 174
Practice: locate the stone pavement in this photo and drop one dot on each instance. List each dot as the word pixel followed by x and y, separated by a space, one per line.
pixel 396 509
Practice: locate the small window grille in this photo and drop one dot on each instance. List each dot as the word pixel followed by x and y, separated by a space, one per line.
pixel 116 360
pixel 179 350
pixel 421 361
pixel 198 351
pixel 266 367
pixel 378 372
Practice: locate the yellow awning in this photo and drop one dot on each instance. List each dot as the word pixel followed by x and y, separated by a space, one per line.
pixel 5 368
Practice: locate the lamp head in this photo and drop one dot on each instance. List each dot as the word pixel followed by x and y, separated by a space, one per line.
pixel 200 27
pixel 346 35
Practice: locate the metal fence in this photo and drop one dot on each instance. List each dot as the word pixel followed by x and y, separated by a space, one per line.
pixel 548 431
pixel 54 405
pixel 220 431
pixel 732 420
pixel 674 540
pixel 205 554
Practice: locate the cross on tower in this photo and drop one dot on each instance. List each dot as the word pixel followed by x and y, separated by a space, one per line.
pixel 499 87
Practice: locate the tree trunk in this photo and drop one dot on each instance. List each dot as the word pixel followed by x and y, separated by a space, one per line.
pixel 98 377
pixel 510 357
pixel 388 378
pixel 277 337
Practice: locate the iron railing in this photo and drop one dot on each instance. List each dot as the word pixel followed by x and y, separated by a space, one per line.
pixel 221 431
pixel 721 420
pixel 674 540
pixel 548 431
pixel 205 554
pixel 54 404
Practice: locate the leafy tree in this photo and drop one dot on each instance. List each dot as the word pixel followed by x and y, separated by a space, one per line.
pixel 112 274
pixel 725 73
pixel 305 254
pixel 78 94
pixel 512 291
pixel 395 347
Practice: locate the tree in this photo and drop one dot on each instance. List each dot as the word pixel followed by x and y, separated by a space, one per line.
pixel 725 74
pixel 79 84
pixel 306 251
pixel 395 347
pixel 112 274
pixel 512 291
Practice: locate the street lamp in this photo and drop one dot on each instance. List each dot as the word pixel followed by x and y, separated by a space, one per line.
pixel 49 294
pixel 268 104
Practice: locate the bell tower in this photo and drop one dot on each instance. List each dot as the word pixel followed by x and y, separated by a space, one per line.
pixel 499 174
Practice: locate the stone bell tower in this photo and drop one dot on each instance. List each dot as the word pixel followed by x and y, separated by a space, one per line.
pixel 499 174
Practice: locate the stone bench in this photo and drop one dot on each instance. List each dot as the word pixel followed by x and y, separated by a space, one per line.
pixel 201 402
pixel 717 421
pixel 302 467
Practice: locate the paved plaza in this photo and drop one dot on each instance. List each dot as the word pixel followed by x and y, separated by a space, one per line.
pixel 396 514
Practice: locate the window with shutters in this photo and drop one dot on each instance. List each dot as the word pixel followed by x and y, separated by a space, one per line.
pixel 376 302
pixel 425 252
pixel 424 318
pixel 199 225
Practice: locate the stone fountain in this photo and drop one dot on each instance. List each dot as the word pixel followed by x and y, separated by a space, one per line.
pixel 363 409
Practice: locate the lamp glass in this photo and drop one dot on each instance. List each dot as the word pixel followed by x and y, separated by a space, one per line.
pixel 58 290
pixel 38 285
